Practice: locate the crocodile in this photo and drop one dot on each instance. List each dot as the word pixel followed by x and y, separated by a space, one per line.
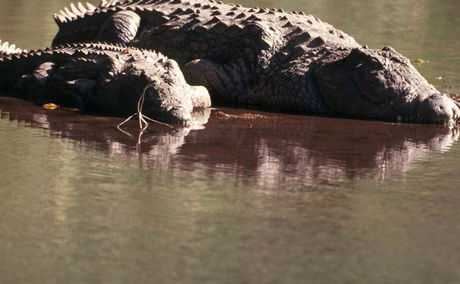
pixel 101 78
pixel 266 58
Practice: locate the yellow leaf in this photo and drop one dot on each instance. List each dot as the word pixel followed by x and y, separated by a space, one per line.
pixel 50 106
pixel 419 61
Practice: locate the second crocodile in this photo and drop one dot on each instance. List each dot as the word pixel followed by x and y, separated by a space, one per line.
pixel 102 78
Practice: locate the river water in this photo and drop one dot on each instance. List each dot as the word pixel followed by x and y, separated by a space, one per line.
pixel 250 197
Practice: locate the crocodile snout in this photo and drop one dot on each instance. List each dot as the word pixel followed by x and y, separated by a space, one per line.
pixel 438 108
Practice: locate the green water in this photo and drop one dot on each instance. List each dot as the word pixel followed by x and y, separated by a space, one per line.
pixel 280 199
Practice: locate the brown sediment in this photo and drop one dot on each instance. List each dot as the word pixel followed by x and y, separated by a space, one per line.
pixel 455 97
pixel 242 116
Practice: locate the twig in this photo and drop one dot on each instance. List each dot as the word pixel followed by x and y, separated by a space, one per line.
pixel 143 124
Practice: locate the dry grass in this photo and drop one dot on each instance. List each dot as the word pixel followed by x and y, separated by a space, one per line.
pixel 455 97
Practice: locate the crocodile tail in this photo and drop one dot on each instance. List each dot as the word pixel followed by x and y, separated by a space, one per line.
pixel 7 48
pixel 78 21
pixel 74 12
pixel 79 11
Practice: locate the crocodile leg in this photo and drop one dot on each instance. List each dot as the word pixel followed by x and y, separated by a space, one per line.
pixel 32 86
pixel 226 81
pixel 76 93
pixel 121 27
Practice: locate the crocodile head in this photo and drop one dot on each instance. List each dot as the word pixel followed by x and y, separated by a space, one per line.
pixel 167 96
pixel 381 84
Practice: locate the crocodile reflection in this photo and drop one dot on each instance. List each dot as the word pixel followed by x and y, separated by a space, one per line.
pixel 259 149
pixel 294 152
pixel 158 145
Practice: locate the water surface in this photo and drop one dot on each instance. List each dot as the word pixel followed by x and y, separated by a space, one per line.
pixel 251 197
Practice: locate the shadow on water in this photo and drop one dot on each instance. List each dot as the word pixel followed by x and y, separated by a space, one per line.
pixel 264 150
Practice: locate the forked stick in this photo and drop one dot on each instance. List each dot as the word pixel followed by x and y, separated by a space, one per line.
pixel 143 124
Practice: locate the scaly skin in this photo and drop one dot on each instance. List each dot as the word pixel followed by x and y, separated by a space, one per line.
pixel 266 58
pixel 101 77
